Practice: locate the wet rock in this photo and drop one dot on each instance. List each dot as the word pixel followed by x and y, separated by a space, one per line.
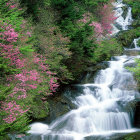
pixel 130 65
pixel 125 10
pixel 91 71
pixel 105 137
pixel 58 106
pixel 99 66
pixel 33 137
pixel 118 26
pixel 132 136
pixel 137 114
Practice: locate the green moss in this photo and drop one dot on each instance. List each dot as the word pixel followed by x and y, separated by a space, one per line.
pixel 133 136
pixel 126 37
pixel 6 137
pixel 138 42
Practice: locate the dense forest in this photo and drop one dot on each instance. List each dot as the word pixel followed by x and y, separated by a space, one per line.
pixel 48 44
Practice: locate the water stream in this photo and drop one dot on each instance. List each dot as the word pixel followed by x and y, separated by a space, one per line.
pixel 122 23
pixel 104 107
pixel 135 44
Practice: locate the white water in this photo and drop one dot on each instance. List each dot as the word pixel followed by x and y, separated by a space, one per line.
pixel 134 46
pixel 105 107
pixel 122 23
pixel 135 42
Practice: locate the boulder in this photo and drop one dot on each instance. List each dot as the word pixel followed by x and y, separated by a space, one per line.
pixel 58 106
pixel 91 71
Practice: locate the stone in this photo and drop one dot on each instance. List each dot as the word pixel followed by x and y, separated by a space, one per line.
pixel 58 106
pixel 91 71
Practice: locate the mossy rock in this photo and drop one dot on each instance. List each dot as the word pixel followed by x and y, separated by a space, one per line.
pixel 132 136
pixel 126 38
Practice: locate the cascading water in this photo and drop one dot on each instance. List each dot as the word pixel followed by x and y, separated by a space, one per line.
pixel 122 23
pixel 134 46
pixel 135 42
pixel 104 107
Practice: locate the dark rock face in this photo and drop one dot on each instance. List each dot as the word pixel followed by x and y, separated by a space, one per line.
pixel 91 71
pixel 137 115
pixel 58 106
pixel 125 10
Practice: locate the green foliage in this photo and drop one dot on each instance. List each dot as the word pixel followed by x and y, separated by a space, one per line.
pixel 4 91
pixel 138 42
pixel 12 16
pixel 25 42
pixel 5 69
pixel 81 45
pixel 52 44
pixel 106 49
pixel 136 70
pixel 39 109
pixel 135 7
pixel 126 38
pixel 94 3
pixel 33 7
pixel 17 127
pixel 26 49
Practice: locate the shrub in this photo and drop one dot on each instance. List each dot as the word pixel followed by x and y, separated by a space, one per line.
pixel 106 49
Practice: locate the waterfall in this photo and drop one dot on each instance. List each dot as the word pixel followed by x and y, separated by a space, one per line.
pixel 135 42
pixel 104 107
pixel 121 23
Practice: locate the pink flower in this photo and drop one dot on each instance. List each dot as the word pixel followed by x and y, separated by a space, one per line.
pixel 12 6
pixel 29 34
